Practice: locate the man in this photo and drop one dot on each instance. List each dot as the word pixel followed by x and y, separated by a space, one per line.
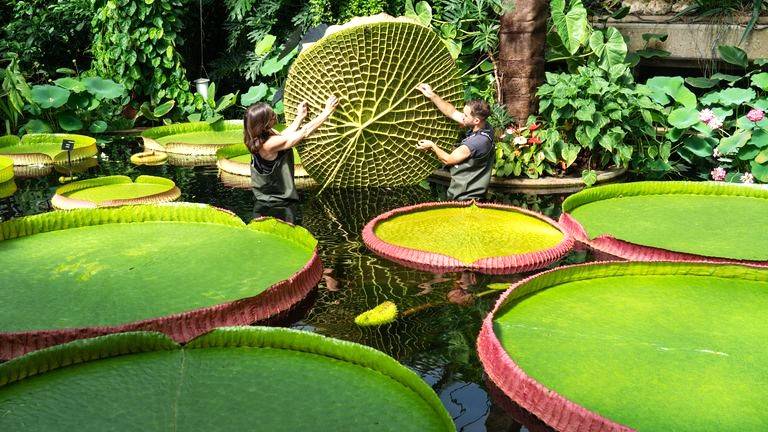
pixel 471 162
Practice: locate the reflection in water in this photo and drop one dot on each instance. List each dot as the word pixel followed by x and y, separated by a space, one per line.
pixel 440 316
pixel 288 212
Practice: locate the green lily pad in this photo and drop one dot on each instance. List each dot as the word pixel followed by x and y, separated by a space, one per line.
pixel 103 88
pixel 650 346
pixel 115 190
pixel 706 219
pixel 45 149
pixel 233 378
pixel 493 238
pixel 7 188
pixel 197 138
pixel 48 96
pixel 6 169
pixel 89 271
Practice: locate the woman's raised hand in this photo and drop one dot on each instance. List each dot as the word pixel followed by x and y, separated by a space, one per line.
pixel 331 103
pixel 301 110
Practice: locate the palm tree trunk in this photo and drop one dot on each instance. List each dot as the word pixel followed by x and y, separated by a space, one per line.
pixel 521 56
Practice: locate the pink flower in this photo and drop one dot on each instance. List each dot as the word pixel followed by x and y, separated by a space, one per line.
pixel 748 178
pixel 706 115
pixel 718 174
pixel 715 123
pixel 755 115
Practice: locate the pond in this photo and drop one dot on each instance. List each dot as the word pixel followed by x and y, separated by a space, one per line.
pixel 439 315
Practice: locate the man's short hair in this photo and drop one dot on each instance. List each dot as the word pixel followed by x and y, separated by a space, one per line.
pixel 479 109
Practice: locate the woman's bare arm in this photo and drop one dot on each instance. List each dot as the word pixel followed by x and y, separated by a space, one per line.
pixel 288 139
pixel 301 114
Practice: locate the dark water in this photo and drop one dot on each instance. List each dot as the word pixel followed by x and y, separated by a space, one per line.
pixel 440 314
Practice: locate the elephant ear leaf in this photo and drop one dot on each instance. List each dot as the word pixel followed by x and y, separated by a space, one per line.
pixel 572 26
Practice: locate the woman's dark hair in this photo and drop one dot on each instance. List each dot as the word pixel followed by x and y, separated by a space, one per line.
pixel 257 125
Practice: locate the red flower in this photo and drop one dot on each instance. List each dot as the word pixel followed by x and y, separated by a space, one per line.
pixel 534 140
pixel 533 127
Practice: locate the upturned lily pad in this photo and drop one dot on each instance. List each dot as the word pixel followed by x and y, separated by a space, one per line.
pixel 7 185
pixel 634 346
pixel 454 236
pixel 243 378
pixel 6 169
pixel 382 314
pixel 195 139
pixel 236 159
pixel 45 149
pixel 177 268
pixel 373 65
pixel 115 191
pixel 150 157
pixel 671 221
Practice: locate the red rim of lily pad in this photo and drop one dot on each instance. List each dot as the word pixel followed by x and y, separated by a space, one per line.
pixel 612 248
pixel 439 263
pixel 184 326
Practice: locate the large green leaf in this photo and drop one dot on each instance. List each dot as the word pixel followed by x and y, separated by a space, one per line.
pixel 48 96
pixel 71 84
pixel 255 94
pixel 134 253
pixel 572 27
pixel 663 87
pixel 760 80
pixel 733 55
pixel 371 137
pixel 683 118
pixel 734 142
pixel 609 46
pixel 760 171
pixel 103 88
pixel 677 216
pixel 69 121
pixel 736 96
pixel 249 377
pixel 620 326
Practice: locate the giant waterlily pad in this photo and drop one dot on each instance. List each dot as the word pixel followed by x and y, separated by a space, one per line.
pixel 234 379
pixel 177 268
pixel 453 236
pixel 7 185
pixel 45 149
pixel 195 139
pixel 671 221
pixel 114 191
pixel 374 65
pixel 634 346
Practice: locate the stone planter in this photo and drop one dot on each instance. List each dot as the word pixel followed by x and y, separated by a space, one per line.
pixel 542 185
pixel 690 43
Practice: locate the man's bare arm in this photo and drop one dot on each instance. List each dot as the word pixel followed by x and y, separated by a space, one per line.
pixel 445 107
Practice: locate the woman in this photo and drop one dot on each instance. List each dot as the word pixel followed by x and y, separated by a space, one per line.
pixel 271 152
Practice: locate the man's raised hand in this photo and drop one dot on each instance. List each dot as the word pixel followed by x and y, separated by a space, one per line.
pixel 426 90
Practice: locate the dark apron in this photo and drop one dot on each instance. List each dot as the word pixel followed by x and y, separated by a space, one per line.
pixel 470 179
pixel 276 185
